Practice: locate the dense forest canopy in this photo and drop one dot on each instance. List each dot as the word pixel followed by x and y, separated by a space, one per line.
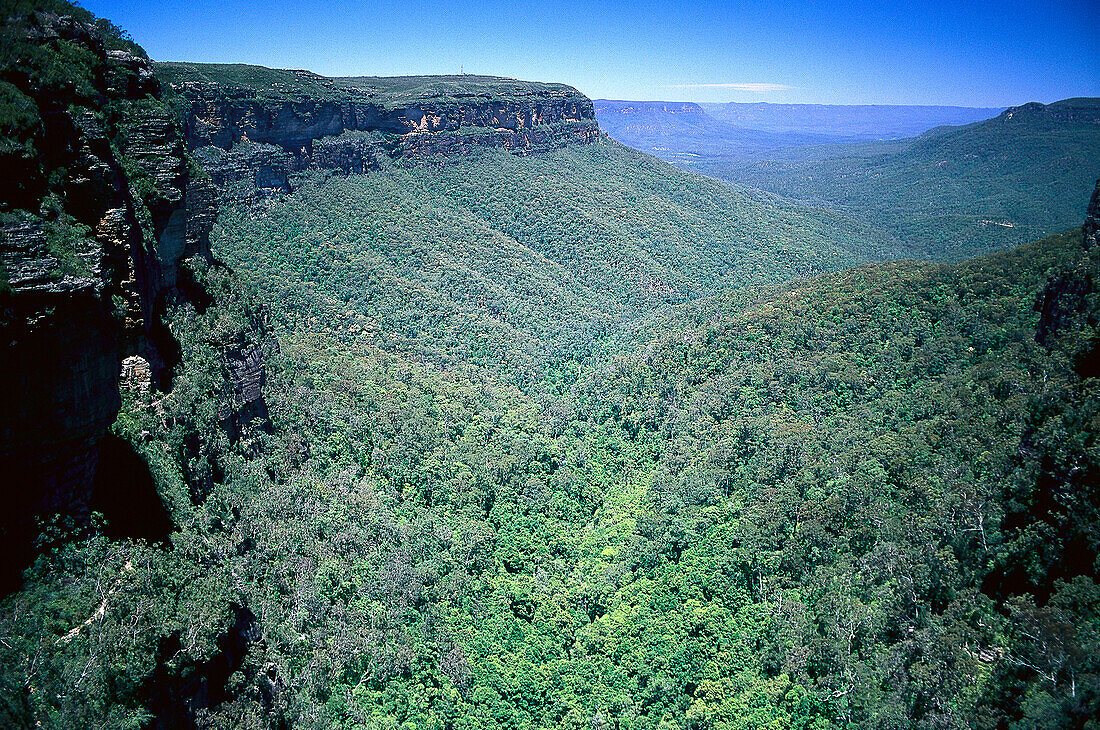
pixel 548 437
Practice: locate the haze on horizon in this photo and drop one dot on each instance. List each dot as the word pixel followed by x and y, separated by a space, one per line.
pixel 972 53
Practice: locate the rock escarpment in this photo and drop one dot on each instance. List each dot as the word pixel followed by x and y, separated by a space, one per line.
pixel 102 207
pixel 253 127
pixel 226 104
pixel 645 108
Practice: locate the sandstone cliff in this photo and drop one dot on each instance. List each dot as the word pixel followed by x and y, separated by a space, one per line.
pixel 252 127
pixel 225 104
pixel 1069 300
pixel 104 204
pixel 102 208
pixel 1091 229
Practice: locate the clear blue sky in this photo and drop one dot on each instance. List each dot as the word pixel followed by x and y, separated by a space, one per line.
pixel 841 52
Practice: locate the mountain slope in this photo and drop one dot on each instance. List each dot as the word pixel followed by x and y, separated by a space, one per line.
pixel 867 478
pixel 405 487
pixel 953 192
pixel 512 251
pixel 492 252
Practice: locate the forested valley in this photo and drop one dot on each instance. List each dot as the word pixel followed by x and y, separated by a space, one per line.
pixel 513 427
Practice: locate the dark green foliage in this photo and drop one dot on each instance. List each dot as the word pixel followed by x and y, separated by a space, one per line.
pixel 546 442
pixel 787 507
pixel 60 92
pixel 499 260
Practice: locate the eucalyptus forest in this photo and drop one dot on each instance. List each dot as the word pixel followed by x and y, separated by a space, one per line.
pixel 458 413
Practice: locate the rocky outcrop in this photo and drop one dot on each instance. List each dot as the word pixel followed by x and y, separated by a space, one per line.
pixel 177 698
pixel 247 170
pixel 291 109
pixel 1062 299
pixel 519 141
pixel 1079 110
pixel 252 128
pixel 244 410
pixel 89 258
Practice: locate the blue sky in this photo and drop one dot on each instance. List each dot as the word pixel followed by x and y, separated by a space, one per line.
pixel 843 52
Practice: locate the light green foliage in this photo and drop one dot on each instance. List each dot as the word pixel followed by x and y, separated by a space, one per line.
pixel 498 260
pixel 799 506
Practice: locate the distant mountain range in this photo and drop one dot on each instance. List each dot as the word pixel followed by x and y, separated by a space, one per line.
pixel 679 130
pixel 993 181
pixel 952 192
pixel 864 121
pixel 682 130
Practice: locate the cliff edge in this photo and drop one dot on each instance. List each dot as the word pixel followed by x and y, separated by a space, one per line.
pixel 259 124
pixel 100 205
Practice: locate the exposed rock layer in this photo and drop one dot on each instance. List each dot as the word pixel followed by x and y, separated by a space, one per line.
pixel 90 260
pixel 1069 297
pixel 224 105
pixel 1091 229
pixel 253 127
pixel 1078 110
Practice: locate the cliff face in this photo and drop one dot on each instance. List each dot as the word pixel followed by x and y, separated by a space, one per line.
pixel 221 119
pixel 350 123
pixel 648 108
pixel 105 203
pixel 92 232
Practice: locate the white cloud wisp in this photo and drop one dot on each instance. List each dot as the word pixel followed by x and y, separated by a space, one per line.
pixel 759 88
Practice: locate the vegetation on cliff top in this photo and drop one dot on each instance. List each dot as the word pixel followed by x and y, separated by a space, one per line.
pixel 65 98
pixel 389 92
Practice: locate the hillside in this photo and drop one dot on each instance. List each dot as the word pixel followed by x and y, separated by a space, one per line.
pixel 331 410
pixel 952 192
pixel 505 261
pixel 512 253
